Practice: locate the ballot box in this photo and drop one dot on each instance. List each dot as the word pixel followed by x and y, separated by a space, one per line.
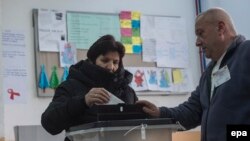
pixel 125 130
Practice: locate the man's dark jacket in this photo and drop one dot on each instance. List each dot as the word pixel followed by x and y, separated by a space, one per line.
pixel 230 103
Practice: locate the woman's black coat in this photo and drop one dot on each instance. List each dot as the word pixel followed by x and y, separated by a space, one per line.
pixel 68 107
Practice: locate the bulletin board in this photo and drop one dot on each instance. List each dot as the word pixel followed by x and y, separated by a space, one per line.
pixel 51 59
pixel 48 59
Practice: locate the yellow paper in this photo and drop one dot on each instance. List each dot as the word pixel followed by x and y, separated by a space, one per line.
pixel 177 76
pixel 136 15
pixel 128 48
pixel 126 24
pixel 136 40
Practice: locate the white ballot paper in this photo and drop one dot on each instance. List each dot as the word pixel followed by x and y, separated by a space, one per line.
pixel 114 100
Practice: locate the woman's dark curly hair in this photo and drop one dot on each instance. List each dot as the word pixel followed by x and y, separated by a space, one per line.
pixel 104 45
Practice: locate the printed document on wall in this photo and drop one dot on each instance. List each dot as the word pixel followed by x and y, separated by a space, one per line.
pixel 14 67
pixel 171 43
pixel 51 29
pixel 85 28
pixel 149 40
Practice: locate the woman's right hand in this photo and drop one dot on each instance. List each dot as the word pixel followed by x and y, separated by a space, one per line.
pixel 97 96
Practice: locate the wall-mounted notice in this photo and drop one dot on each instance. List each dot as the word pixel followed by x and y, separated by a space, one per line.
pixel 167 36
pixel 14 67
pixel 51 29
pixel 85 28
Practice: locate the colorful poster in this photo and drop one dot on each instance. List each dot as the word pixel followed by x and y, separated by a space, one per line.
pixel 130 31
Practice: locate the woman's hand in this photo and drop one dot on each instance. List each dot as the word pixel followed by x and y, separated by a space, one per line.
pixel 97 96
pixel 149 108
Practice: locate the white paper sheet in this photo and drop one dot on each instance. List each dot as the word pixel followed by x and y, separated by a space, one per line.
pixel 171 43
pixel 14 67
pixel 51 29
pixel 149 50
pixel 164 41
pixel 114 100
pixel 148 38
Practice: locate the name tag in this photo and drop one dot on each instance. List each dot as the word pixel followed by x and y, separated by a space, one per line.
pixel 221 76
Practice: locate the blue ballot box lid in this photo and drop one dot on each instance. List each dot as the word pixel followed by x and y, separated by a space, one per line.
pixel 120 123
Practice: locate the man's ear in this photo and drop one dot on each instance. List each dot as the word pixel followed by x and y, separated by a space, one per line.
pixel 221 27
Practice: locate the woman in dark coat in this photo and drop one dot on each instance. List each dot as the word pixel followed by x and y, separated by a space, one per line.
pixel 89 83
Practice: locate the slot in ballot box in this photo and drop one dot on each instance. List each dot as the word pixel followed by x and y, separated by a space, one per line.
pixel 125 130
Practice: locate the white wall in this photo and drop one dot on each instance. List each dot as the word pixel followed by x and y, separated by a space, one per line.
pixel 238 9
pixel 17 15
pixel 1 96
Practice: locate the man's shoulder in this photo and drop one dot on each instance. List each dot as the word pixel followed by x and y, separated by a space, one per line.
pixel 245 46
pixel 246 42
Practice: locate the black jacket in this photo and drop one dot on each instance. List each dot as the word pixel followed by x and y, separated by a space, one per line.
pixel 68 107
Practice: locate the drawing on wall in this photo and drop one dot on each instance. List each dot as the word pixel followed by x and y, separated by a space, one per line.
pixel 152 77
pixel 177 76
pixel 152 80
pixel 139 78
pixel 67 54
pixel 161 79
pixel 164 82
pixel 182 80
pixel 165 79
pixel 139 81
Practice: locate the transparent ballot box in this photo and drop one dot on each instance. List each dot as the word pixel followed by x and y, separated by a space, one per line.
pixel 125 130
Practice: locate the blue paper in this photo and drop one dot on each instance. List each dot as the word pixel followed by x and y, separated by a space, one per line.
pixel 43 81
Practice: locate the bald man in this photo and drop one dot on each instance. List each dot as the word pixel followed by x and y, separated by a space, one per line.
pixel 223 94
